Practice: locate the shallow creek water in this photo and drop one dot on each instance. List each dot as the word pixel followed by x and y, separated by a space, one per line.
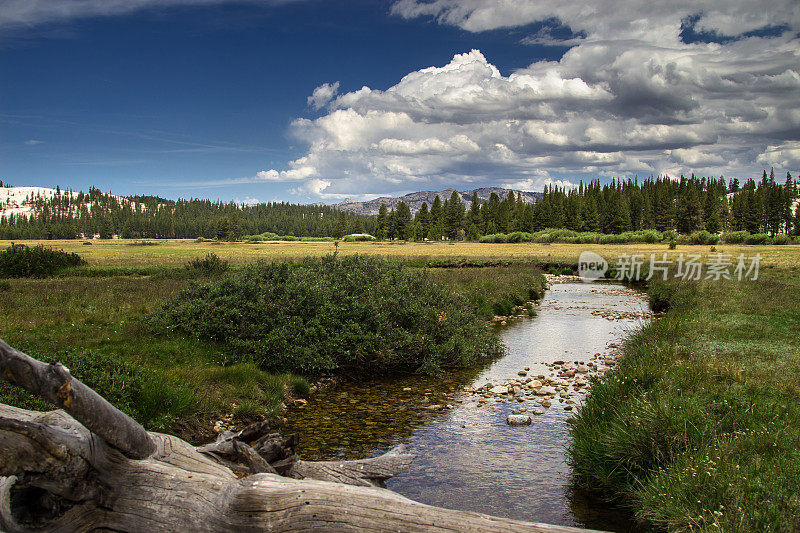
pixel 468 457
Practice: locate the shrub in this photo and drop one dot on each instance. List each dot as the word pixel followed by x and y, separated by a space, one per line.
pixel 519 236
pixel 210 264
pixel 560 235
pixel 669 235
pixel 358 237
pixel 300 386
pixel 651 236
pixel 611 239
pixel 5 285
pixel 672 244
pixel 356 314
pixel 757 238
pixel 781 239
pixel 588 237
pixel 735 237
pixel 21 261
pixel 494 238
pixel 703 237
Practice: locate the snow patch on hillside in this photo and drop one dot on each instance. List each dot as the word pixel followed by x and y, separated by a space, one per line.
pixel 19 200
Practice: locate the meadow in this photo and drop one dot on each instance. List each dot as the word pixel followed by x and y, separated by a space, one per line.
pixel 137 254
pixel 693 431
pixel 98 320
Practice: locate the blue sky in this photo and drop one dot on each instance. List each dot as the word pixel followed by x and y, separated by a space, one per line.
pixel 206 98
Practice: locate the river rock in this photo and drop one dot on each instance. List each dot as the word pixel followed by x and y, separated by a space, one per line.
pixel 535 384
pixel 538 411
pixel 499 389
pixel 546 391
pixel 583 369
pixel 518 420
pixel 546 403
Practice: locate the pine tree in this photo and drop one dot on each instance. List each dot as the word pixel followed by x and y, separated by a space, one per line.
pixel 383 222
pixel 797 220
pixel 403 221
pixel 690 215
pixel 711 211
pixel 423 216
pixel 391 226
pixel 454 217
pixel 436 211
pixel 474 214
pixel 591 220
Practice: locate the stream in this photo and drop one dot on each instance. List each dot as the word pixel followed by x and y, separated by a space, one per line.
pixel 468 457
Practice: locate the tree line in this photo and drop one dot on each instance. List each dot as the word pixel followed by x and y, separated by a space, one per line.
pixel 684 205
pixel 68 215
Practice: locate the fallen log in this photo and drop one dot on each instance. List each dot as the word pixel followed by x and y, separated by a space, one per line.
pixel 69 470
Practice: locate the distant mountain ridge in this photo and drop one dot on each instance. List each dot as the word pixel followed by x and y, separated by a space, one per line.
pixel 415 200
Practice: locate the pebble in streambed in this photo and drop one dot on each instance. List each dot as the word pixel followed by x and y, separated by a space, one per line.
pixel 566 380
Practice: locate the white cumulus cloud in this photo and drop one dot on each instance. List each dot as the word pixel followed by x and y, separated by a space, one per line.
pixel 628 97
pixel 322 95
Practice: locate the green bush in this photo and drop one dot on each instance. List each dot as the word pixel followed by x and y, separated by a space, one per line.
pixel 21 261
pixel 355 314
pixel 494 238
pixel 269 236
pixel 300 386
pixel 669 235
pixel 611 239
pixel 210 264
pixel 519 236
pixel 703 237
pixel 781 239
pixel 735 237
pixel 359 237
pixel 757 238
pixel 651 236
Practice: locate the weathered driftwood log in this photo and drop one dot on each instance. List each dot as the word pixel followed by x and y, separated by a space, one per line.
pixel 71 470
pixel 55 384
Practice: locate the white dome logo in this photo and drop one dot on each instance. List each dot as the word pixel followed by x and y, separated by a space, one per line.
pixel 591 266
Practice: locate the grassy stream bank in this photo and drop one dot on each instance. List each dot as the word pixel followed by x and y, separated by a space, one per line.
pixel 99 322
pixel 696 430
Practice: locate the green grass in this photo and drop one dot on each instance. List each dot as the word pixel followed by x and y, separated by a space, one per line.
pixel 96 327
pixel 166 253
pixel 495 294
pixel 93 319
pixel 697 428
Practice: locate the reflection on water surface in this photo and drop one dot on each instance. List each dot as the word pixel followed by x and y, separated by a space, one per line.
pixel 467 456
